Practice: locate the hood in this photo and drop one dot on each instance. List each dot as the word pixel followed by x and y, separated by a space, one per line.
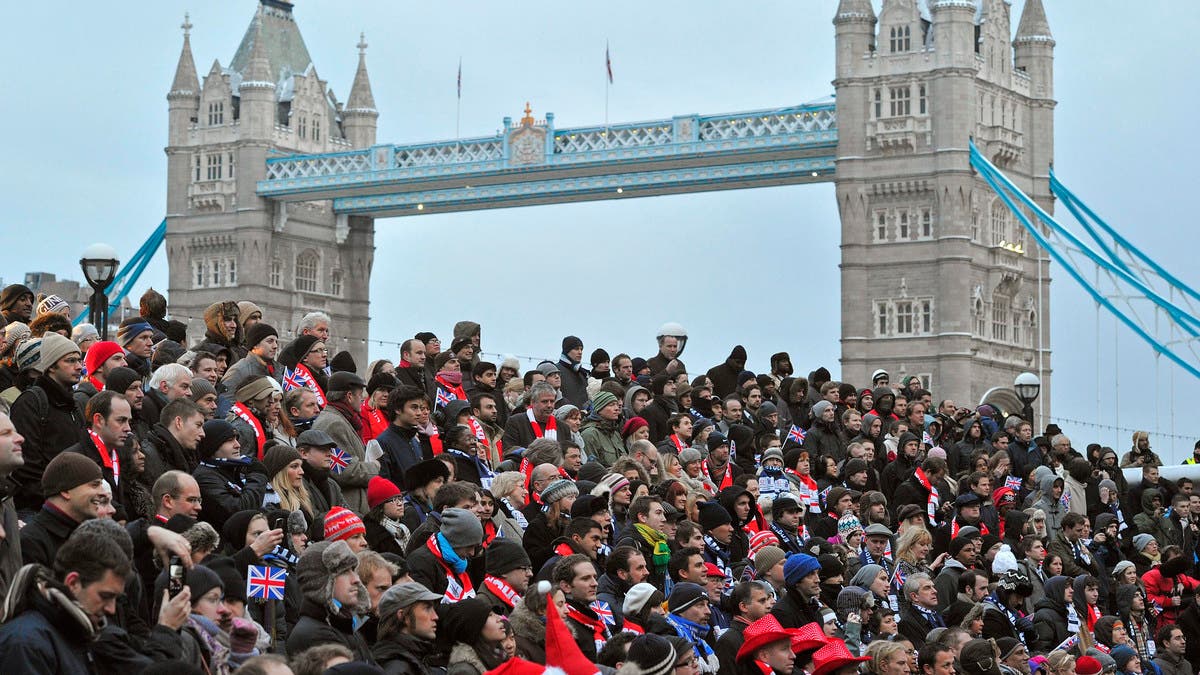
pixel 233 533
pixel 1045 479
pixel 727 497
pixel 879 394
pixel 1056 589
pixel 1079 584
pixel 1124 597
pixel 527 624
pixel 630 393
pixel 1148 499
pixel 1103 630
pixel 217 311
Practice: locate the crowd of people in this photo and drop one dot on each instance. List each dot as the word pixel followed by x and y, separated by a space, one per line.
pixel 235 504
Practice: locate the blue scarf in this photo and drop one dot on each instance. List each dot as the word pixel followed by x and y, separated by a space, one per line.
pixel 449 556
pixel 693 632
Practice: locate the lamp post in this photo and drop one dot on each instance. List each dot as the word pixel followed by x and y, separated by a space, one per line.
pixel 99 263
pixel 1028 386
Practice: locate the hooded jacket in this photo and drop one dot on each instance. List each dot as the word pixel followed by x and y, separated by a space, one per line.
pixel 1050 614
pixel 214 339
pixel 1166 581
pixel 402 654
pixel 1052 507
pixel 603 439
pixel 724 377
pixel 1146 522
pixel 61 426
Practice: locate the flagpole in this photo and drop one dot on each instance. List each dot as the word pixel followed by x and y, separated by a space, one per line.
pixel 607 84
pixel 458 112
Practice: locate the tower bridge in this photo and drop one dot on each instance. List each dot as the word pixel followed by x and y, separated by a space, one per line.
pixel 274 184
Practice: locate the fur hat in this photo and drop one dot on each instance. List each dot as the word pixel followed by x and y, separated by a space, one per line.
pixel 422 473
pixel 319 565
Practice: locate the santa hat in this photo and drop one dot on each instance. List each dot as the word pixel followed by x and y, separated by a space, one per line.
pixel 562 653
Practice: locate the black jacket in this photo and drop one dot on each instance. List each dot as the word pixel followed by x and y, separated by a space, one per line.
pixel 399 453
pixel 164 453
pixel 914 625
pixel 519 434
pixel 793 612
pixel 44 639
pixel 317 627
pixel 46 531
pixel 48 430
pixel 657 414
pixel 574 383
pixel 228 488
pixel 402 654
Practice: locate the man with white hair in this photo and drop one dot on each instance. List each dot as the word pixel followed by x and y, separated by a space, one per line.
pixel 315 324
pixel 169 382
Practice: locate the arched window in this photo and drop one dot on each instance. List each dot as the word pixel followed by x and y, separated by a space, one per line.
pixel 1000 222
pixel 980 319
pixel 276 279
pixel 306 271
pixel 335 282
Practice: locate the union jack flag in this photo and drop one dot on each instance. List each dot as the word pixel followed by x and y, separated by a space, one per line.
pixel 1013 483
pixel 294 379
pixel 339 459
pixel 898 577
pixel 926 438
pixel 265 583
pixel 444 397
pixel 797 434
pixel 603 611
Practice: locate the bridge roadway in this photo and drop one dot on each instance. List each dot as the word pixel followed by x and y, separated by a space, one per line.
pixel 530 162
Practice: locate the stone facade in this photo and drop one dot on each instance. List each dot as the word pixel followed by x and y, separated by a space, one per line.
pixel 223 241
pixel 938 279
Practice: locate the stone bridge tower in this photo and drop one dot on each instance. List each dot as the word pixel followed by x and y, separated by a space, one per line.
pixel 938 279
pixel 223 241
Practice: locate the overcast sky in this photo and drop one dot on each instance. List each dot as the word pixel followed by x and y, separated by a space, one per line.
pixel 86 123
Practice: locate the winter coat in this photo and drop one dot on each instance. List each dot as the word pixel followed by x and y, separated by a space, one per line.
pixel 946 582
pixel 402 654
pixel 1050 615
pixel 45 436
pixel 45 638
pixel 1170 664
pixel 823 440
pixel 324 494
pixel 574 382
pixel 164 453
pixel 45 533
pixel 530 631
pixel 248 369
pixel 1160 588
pixel 657 413
pixel 317 627
pixel 1026 567
pixel 1073 566
pixel 914 625
pixel 603 440
pixel 1052 507
pixel 895 473
pixel 793 612
pixel 227 488
pixel 723 378
pixel 87 448
pixel 353 480
pixel 1146 522
pixel 10 546
pixel 399 453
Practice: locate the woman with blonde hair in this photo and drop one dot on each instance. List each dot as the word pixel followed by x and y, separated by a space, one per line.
pixel 285 488
pixel 1059 662
pixel 887 658
pixel 912 557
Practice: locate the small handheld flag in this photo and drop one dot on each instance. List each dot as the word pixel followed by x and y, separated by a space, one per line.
pixel 796 434
pixel 444 397
pixel 265 583
pixel 603 611
pixel 340 460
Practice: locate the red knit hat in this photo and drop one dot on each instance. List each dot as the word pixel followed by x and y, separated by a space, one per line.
pixel 99 353
pixel 1088 665
pixel 633 425
pixel 341 524
pixel 379 490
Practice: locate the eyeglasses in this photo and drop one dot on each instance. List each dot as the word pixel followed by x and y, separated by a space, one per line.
pixel 693 662
pixel 318 350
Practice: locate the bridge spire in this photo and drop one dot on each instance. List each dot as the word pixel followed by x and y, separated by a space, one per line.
pixel 360 116
pixel 1033 26
pixel 186 82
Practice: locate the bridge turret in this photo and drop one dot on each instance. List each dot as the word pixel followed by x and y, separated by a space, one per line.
pixel 1034 50
pixel 360 116
pixel 257 90
pixel 183 100
pixel 855 35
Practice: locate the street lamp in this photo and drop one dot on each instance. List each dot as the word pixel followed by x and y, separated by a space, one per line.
pixel 99 263
pixel 1028 386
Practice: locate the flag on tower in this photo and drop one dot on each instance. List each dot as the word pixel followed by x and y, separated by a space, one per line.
pixel 460 78
pixel 608 63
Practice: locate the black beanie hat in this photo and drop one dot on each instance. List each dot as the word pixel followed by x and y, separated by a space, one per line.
pixel 831 566
pixel 599 356
pixel 259 332
pixel 201 580
pixel 713 515
pixel 119 379
pixel 424 336
pixel 571 342
pixel 233 532
pixel 505 555
pixel 67 471
pixel 233 583
pixel 342 362
pixel 381 381
pixel 216 432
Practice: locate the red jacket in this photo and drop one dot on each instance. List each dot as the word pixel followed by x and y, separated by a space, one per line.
pixel 1160 588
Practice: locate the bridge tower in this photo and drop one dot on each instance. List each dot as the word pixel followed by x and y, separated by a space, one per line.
pixel 223 241
pixel 938 280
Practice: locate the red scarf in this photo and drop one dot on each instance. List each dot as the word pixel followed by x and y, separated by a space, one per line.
pixel 96 383
pixel 726 481
pixel 501 589
pixel 551 426
pixel 374 423
pixel 454 390
pixel 311 384
pixel 1093 615
pixel 458 586
pixel 111 461
pixel 631 627
pixel 931 503
pixel 489 532
pixel 679 447
pixel 564 549
pixel 764 668
pixel 954 527
pixel 599 633
pixel 481 436
pixel 244 414
pixel 808 494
